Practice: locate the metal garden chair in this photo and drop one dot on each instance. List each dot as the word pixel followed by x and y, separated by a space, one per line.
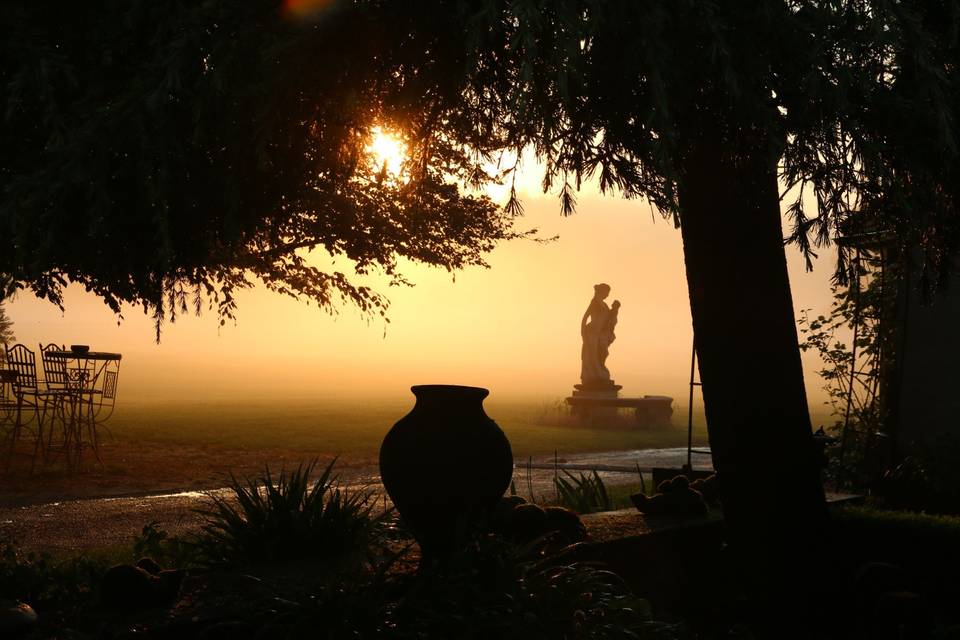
pixel 29 402
pixel 83 390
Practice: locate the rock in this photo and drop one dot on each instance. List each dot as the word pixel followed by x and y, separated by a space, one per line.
pixel 502 511
pixel 566 523
pixel 708 488
pixel 16 618
pixel 526 522
pixel 680 501
pixel 685 501
pixel 656 505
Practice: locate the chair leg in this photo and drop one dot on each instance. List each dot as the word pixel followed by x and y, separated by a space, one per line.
pixel 15 432
pixel 39 448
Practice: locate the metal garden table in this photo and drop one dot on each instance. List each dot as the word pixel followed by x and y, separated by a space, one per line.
pixel 90 382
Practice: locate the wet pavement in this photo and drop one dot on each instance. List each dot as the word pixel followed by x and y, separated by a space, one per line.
pixel 72 525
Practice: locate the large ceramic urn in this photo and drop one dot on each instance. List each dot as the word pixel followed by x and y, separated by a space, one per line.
pixel 444 465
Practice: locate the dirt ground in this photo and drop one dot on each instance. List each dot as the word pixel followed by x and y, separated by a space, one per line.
pixel 132 469
pixel 57 509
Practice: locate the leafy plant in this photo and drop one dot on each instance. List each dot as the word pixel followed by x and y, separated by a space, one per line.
pixel 291 519
pixel 41 580
pixel 928 479
pixel 583 493
pixel 505 591
pixel 169 551
pixel 855 374
pixel 6 333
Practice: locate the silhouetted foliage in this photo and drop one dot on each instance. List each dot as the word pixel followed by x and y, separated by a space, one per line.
pixel 505 591
pixel 6 333
pixel 292 519
pixel 45 581
pixel 856 375
pixel 161 153
pixel 582 493
pixel 158 152
pixel 155 152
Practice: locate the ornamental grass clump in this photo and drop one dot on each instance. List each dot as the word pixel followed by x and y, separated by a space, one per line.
pixel 290 520
pixel 583 493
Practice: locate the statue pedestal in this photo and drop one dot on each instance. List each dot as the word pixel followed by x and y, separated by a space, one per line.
pixel 599 404
pixel 589 402
pixel 597 390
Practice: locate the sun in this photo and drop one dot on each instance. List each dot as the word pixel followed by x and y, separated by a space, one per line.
pixel 387 150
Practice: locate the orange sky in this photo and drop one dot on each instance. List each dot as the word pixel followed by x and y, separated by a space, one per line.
pixel 513 328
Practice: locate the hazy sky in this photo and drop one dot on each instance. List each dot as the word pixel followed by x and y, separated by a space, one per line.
pixel 513 328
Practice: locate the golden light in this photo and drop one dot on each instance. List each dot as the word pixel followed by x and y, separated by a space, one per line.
pixel 304 9
pixel 387 150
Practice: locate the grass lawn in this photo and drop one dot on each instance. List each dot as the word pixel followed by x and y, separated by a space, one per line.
pixel 355 430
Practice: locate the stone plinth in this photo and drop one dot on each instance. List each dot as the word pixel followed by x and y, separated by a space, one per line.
pixel 597 390
pixel 596 406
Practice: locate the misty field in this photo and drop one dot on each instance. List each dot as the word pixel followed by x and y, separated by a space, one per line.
pixel 354 430
pixel 150 448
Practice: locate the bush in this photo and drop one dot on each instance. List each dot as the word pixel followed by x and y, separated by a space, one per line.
pixel 290 520
pixel 505 591
pixel 44 582
pixel 926 480
pixel 583 493
pixel 168 551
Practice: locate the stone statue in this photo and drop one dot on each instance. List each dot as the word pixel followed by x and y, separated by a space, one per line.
pixel 596 329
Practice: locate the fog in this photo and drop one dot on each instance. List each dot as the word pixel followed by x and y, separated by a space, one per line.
pixel 513 328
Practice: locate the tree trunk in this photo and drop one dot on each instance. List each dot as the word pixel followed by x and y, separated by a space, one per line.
pixel 754 396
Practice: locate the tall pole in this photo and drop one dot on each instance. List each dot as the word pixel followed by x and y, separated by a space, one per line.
pixel 853 359
pixel 693 368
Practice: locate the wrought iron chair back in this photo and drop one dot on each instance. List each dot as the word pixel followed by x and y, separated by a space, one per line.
pixel 54 369
pixel 105 392
pixel 26 404
pixel 110 385
pixel 24 362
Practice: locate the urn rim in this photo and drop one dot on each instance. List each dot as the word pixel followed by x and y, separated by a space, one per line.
pixel 450 390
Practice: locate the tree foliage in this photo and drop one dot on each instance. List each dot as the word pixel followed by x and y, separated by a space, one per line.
pixel 6 333
pixel 157 152
pixel 856 103
pixel 160 153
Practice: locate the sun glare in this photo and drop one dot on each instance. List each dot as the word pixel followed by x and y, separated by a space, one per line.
pixel 387 149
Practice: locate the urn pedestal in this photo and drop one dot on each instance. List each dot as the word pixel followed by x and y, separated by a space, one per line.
pixel 445 464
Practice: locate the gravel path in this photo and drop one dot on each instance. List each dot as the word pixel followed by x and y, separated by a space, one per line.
pixel 72 525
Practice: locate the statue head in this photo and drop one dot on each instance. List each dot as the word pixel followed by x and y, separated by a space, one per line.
pixel 601 290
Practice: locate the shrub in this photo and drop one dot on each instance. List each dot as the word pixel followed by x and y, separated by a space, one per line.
pixel 926 480
pixel 44 581
pixel 583 493
pixel 505 591
pixel 168 551
pixel 290 520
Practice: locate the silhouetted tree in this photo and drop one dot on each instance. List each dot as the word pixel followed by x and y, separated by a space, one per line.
pixel 160 154
pixel 715 112
pixel 6 333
